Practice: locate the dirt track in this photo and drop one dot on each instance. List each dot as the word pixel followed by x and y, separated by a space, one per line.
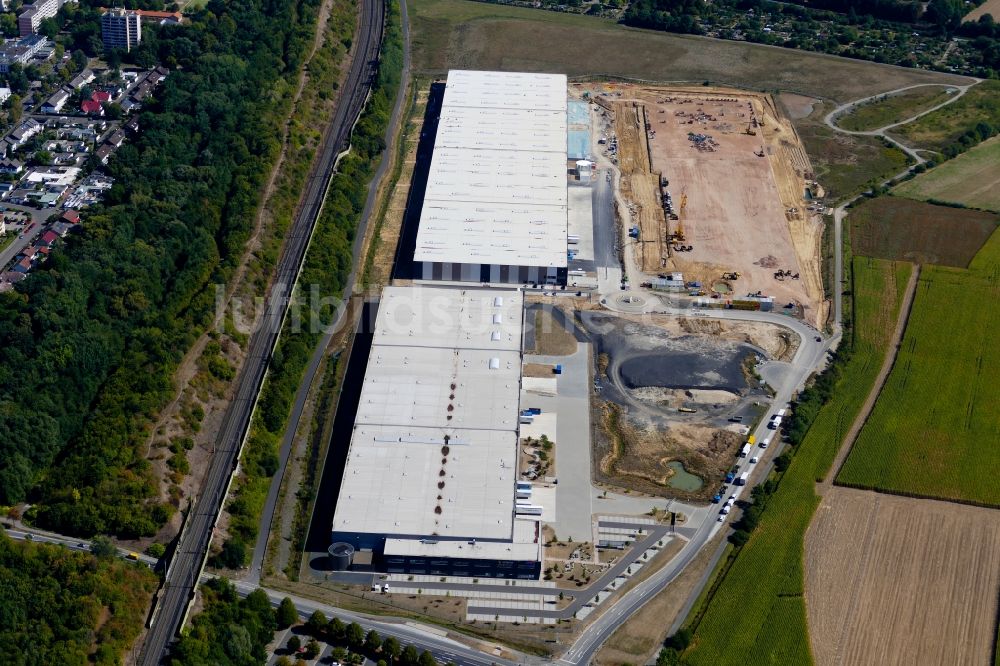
pixel 894 580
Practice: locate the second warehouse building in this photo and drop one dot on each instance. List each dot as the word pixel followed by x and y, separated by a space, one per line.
pixel 430 479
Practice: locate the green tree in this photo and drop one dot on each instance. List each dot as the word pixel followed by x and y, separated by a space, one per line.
pixel 427 659
pixel 317 624
pixel 410 656
pixel 312 649
pixel 355 636
pixel 101 546
pixel 287 614
pixel 391 648
pixel 373 642
pixel 338 632
pixel 293 644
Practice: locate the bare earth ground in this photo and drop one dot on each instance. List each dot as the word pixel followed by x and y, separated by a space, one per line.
pixel 551 339
pixel 894 580
pixel 988 7
pixel 738 214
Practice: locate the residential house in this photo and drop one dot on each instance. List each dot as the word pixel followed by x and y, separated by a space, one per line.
pixel 22 266
pixel 5 94
pixel 82 79
pixel 29 252
pixel 91 108
pixel 116 138
pixel 103 152
pixel 63 228
pixel 101 96
pixel 11 166
pixel 56 102
pixel 23 133
pixel 71 216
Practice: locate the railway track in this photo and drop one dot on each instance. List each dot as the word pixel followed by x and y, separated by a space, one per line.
pixel 174 598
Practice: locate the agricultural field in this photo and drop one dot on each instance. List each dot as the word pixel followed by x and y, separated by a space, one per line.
pixel 475 35
pixel 934 428
pixel 758 614
pixel 897 581
pixel 939 129
pixel 891 109
pixel 971 179
pixel 892 227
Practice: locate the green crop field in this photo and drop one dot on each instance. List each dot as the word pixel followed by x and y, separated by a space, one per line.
pixel 903 229
pixel 477 35
pixel 893 108
pixel 757 615
pixel 933 431
pixel 971 179
pixel 937 130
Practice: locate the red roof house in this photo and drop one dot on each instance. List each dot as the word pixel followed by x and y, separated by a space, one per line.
pixel 49 237
pixel 89 107
pixel 101 96
pixel 71 216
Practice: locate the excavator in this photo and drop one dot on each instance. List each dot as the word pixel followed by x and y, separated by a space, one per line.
pixel 678 235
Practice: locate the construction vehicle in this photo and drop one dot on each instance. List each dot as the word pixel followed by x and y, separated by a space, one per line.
pixel 749 130
pixel 678 235
pixel 731 275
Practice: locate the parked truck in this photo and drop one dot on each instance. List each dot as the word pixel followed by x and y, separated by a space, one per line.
pixel 745 450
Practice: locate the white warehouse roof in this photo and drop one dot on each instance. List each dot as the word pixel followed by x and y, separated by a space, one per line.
pixel 437 378
pixel 496 189
pixel 426 316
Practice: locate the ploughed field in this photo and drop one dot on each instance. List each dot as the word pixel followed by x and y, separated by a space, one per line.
pixel 901 581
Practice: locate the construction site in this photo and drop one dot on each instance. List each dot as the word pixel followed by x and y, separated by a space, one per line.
pixel 714 184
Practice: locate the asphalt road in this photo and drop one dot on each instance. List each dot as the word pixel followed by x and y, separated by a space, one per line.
pixel 192 549
pixel 267 516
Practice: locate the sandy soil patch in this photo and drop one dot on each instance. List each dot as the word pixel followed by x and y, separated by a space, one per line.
pixel 988 7
pixel 537 370
pixel 739 189
pixel 894 580
pixel 551 339
pixel 798 106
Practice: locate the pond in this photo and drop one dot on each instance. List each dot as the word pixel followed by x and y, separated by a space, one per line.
pixel 683 479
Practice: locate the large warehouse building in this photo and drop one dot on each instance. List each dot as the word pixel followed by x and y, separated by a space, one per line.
pixel 495 205
pixel 429 481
